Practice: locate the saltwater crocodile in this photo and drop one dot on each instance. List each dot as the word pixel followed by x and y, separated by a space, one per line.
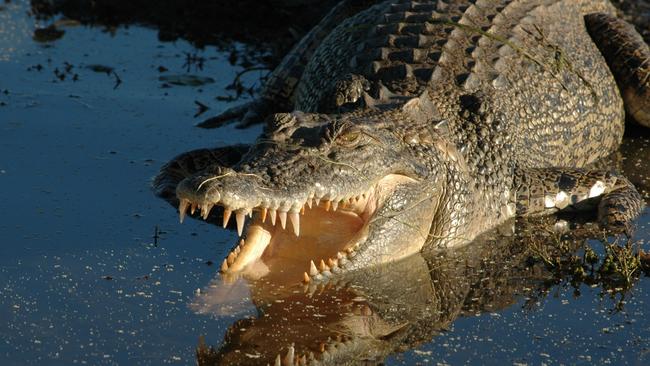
pixel 395 126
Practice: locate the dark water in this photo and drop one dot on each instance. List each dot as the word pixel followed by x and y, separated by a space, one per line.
pixel 95 270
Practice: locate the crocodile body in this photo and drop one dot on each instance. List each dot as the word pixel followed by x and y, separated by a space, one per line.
pixel 425 123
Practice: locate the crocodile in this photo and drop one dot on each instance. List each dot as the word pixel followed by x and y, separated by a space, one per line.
pixel 397 126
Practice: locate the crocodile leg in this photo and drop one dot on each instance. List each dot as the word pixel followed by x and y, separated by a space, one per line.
pixel 549 190
pixel 276 96
pixel 628 57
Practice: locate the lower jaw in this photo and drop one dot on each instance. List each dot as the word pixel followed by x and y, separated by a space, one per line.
pixel 326 242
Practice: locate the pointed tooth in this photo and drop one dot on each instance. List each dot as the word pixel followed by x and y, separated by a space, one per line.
pixel 327 205
pixel 283 219
pixel 295 221
pixel 182 208
pixel 226 216
pixel 205 210
pixel 242 243
pixel 264 212
pixel 288 359
pixel 339 255
pixel 240 216
pixel 317 201
pixel 305 277
pixel 231 258
pixel 312 269
pixel 309 203
pixel 224 266
pixel 237 250
pixel 272 212
pixel 278 361
pixel 335 205
pixel 331 262
pixel 322 266
pixel 302 210
pixel 193 208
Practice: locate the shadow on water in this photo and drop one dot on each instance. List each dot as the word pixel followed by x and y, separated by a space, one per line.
pixel 507 296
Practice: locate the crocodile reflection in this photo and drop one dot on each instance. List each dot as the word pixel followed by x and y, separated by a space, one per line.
pixel 369 314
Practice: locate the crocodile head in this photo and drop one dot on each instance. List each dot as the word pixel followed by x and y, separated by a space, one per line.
pixel 314 185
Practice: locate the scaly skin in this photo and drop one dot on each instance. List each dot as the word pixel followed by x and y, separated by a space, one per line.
pixel 432 122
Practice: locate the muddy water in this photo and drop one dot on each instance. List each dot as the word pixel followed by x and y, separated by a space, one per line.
pixel 95 270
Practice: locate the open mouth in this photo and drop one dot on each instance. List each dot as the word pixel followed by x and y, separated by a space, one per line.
pixel 312 239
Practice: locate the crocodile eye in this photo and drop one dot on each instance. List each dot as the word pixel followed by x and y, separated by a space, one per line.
pixel 349 137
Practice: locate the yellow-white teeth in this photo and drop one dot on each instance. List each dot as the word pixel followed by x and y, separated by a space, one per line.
pixel 283 219
pixel 289 357
pixel 295 221
pixel 309 203
pixel 331 262
pixel 312 268
pixel 305 278
pixel 264 212
pixel 231 258
pixel 240 216
pixel 302 210
pixel 327 205
pixel 224 265
pixel 335 205
pixel 272 212
pixel 182 208
pixel 226 216
pixel 193 208
pixel 322 266
pixel 205 210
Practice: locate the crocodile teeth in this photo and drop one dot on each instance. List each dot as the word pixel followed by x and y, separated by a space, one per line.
pixel 327 205
pixel 264 212
pixel 226 216
pixel 240 216
pixel 205 210
pixel 335 205
pixel 295 221
pixel 312 268
pixel 305 278
pixel 309 203
pixel 283 219
pixel 322 266
pixel 224 265
pixel 272 212
pixel 289 358
pixel 193 208
pixel 182 208
pixel 278 361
